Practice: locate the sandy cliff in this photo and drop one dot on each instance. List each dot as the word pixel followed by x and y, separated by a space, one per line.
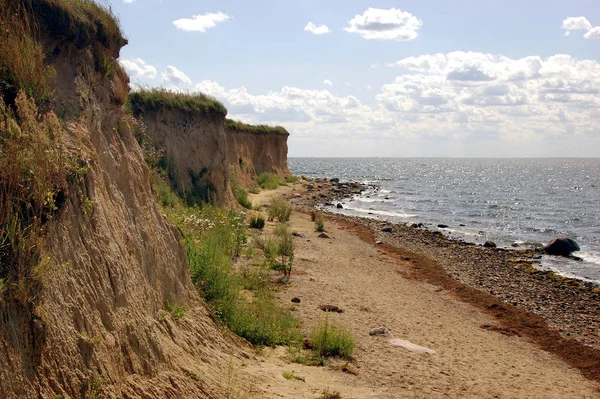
pixel 98 324
pixel 252 150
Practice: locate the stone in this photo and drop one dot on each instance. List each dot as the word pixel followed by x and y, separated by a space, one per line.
pixel 562 246
pixel 296 299
pixel 515 245
pixel 298 234
pixel 331 308
pixel 339 206
pixel 379 242
pixel 387 229
pixel 334 180
pixel 442 226
pixel 379 331
pixel 324 235
pixel 489 244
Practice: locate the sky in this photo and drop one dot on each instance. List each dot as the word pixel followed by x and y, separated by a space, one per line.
pixel 353 78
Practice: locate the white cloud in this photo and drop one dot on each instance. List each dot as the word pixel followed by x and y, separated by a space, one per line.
pixel 201 22
pixel 327 83
pixel 593 33
pixel 443 96
pixel 317 29
pixel 175 77
pixel 575 23
pixel 138 68
pixel 379 24
pixel 128 1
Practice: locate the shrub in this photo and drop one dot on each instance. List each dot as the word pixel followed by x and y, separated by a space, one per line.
pixel 280 209
pixel 285 249
pixel 257 222
pixel 291 179
pixel 176 310
pixel 254 189
pixel 329 339
pixel 319 223
pixel 269 181
pixel 241 196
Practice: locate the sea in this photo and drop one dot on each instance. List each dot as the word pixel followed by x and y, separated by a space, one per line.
pixel 525 202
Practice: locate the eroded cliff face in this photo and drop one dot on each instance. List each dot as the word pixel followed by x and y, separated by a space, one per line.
pixel 250 154
pixel 195 149
pixel 99 329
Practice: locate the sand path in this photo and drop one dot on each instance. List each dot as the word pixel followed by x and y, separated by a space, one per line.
pixel 469 361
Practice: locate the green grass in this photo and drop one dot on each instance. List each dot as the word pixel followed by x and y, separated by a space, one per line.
pixel 289 375
pixel 291 179
pixel 269 181
pixel 213 237
pixel 176 310
pixel 257 222
pixel 329 339
pixel 241 196
pixel 155 98
pixel 280 209
pixel 319 223
pixel 254 129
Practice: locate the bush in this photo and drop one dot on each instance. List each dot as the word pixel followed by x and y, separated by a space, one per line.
pixel 285 249
pixel 291 179
pixel 254 189
pixel 257 222
pixel 269 181
pixel 280 209
pixel 319 223
pixel 329 339
pixel 241 196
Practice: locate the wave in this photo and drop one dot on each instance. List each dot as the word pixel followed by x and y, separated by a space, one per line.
pixel 380 212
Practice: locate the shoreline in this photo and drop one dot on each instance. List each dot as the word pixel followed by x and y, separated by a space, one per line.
pixel 559 314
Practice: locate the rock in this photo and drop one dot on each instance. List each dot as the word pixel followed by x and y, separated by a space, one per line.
pixel 310 187
pixel 334 180
pixel 562 246
pixel 379 331
pixel 414 225
pixel 379 242
pixel 387 229
pixel 514 245
pixel 339 206
pixel 298 234
pixel 328 204
pixel 461 225
pixel 489 244
pixel 443 226
pixel 296 299
pixel 296 195
pixel 324 235
pixel 331 308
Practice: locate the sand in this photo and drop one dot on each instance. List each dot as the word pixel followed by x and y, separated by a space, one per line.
pixel 438 346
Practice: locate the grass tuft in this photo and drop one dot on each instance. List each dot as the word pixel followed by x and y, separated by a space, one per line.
pixel 280 209
pixel 319 223
pixel 269 181
pixel 241 196
pixel 257 222
pixel 329 339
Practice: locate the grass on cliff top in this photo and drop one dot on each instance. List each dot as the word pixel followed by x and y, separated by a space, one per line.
pixel 155 98
pixel 82 21
pixel 255 129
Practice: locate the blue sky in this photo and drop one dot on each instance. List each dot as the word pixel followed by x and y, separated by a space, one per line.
pixel 384 78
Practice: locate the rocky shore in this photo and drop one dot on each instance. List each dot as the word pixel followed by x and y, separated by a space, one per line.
pixel 569 307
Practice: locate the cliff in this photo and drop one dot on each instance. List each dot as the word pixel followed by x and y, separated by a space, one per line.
pixel 190 130
pixel 252 150
pixel 82 303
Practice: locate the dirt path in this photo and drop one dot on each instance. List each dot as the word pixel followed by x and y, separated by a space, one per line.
pixel 469 361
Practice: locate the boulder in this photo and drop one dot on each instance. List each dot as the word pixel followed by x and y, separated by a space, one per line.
pixel 339 206
pixel 334 180
pixel 296 299
pixel 562 246
pixel 489 244
pixel 443 226
pixel 387 229
pixel 323 235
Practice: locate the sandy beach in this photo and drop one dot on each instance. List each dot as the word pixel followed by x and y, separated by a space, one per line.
pixel 469 343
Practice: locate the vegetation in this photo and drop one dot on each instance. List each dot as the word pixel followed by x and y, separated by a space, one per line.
pixel 257 222
pixel 291 179
pixel 176 310
pixel 289 375
pixel 254 189
pixel 327 394
pixel 328 339
pixel 254 129
pixel 241 196
pixel 36 175
pixel 319 223
pixel 152 99
pixel 280 209
pixel 269 181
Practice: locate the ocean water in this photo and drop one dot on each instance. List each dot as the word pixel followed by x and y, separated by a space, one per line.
pixel 503 200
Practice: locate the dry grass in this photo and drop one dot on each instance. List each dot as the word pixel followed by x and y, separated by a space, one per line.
pixel 33 186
